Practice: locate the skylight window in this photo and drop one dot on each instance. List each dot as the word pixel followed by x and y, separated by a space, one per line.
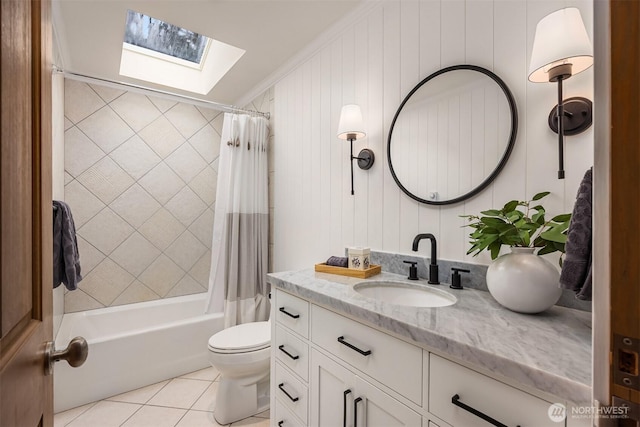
pixel 163 53
pixel 159 36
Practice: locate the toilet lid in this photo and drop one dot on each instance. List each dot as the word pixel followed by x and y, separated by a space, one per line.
pixel 241 338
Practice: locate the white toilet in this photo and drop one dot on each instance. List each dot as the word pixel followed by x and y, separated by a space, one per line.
pixel 242 355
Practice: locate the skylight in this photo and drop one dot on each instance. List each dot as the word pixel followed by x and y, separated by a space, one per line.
pixel 159 36
pixel 159 52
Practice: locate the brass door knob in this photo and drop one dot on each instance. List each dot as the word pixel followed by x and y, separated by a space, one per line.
pixel 75 354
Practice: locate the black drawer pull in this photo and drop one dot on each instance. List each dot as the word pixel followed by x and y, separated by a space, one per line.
pixel 344 407
pixel 456 401
pixel 280 423
pixel 281 387
pixel 282 310
pixel 281 348
pixel 353 347
pixel 355 411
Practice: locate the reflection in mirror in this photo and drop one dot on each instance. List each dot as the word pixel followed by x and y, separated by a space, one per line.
pixel 452 134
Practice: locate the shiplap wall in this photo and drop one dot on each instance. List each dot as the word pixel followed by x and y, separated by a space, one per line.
pixel 375 62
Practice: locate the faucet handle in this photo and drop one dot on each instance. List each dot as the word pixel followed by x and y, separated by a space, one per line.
pixel 413 270
pixel 455 277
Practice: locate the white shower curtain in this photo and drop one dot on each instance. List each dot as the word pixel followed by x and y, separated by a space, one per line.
pixel 239 254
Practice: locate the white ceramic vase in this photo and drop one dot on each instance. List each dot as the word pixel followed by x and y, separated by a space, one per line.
pixel 524 282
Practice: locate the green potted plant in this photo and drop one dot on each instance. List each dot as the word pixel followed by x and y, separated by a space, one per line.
pixel 521 281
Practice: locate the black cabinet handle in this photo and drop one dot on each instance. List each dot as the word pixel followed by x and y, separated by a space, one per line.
pixel 355 411
pixel 282 310
pixel 280 423
pixel 281 348
pixel 353 347
pixel 281 387
pixel 344 407
pixel 456 401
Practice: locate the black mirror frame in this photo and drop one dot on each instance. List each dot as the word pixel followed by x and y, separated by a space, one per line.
pixel 505 156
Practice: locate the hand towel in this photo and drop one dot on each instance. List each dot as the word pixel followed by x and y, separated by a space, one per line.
pixel 337 261
pixel 66 258
pixel 576 268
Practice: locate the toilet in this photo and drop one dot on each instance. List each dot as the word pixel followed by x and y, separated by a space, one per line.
pixel 241 354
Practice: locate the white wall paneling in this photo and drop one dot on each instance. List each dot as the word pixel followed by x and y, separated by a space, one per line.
pixel 409 76
pixel 391 99
pixel 374 63
pixel 376 140
pixel 430 54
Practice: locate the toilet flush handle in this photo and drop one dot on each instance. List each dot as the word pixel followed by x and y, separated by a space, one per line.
pixel 75 354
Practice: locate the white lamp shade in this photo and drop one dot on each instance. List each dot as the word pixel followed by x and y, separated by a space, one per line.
pixel 561 38
pixel 351 122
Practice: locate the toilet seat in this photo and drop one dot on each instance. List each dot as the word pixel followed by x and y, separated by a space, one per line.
pixel 243 338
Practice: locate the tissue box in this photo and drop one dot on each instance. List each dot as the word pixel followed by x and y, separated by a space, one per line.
pixel 359 258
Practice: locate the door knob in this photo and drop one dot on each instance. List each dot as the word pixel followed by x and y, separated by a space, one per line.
pixel 75 354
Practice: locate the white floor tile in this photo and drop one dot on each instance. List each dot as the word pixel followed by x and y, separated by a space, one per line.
pixel 253 422
pixel 105 414
pixel 207 374
pixel 61 419
pixel 207 402
pixel 155 416
pixel 141 395
pixel 179 393
pixel 187 401
pixel 198 419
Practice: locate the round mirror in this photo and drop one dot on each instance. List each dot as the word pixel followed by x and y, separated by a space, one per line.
pixel 452 135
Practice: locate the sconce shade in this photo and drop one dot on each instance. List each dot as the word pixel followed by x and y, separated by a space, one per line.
pixel 561 38
pixel 350 125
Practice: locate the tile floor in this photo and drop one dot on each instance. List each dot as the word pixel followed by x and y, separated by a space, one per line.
pixel 186 401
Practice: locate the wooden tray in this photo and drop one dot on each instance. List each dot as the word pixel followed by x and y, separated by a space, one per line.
pixel 362 274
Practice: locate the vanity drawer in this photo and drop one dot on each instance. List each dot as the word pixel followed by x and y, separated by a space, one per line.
pixel 284 417
pixel 292 352
pixel 391 361
pixel 497 400
pixel 293 313
pixel 291 392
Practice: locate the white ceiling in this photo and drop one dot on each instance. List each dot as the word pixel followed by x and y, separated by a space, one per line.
pixel 90 34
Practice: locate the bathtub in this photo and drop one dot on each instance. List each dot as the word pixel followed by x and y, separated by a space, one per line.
pixel 131 346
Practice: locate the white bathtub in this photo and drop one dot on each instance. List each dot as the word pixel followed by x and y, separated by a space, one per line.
pixel 132 346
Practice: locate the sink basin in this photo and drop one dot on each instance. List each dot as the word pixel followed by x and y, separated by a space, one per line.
pixel 401 293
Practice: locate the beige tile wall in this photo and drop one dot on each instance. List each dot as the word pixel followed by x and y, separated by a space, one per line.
pixel 140 177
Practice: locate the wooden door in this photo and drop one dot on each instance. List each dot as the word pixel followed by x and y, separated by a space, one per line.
pixel 26 394
pixel 625 201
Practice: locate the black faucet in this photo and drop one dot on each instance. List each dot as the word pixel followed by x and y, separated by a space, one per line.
pixel 433 266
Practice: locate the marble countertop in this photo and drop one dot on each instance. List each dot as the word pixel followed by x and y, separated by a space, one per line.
pixel 550 351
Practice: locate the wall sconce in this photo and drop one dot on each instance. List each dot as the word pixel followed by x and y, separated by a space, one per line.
pixel 561 48
pixel 351 128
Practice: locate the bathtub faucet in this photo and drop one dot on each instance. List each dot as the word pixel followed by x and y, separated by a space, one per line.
pixel 433 266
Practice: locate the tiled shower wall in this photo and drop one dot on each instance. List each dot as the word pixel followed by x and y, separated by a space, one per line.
pixel 140 177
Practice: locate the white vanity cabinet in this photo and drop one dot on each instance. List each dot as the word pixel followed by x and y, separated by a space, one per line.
pixel 339 397
pixel 486 396
pixel 330 370
pixel 289 361
pixel 389 360
pixel 319 380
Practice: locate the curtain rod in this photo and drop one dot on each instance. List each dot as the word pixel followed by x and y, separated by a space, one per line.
pixel 161 93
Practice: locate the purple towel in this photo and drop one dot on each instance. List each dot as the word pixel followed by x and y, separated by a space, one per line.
pixel 576 268
pixel 66 258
